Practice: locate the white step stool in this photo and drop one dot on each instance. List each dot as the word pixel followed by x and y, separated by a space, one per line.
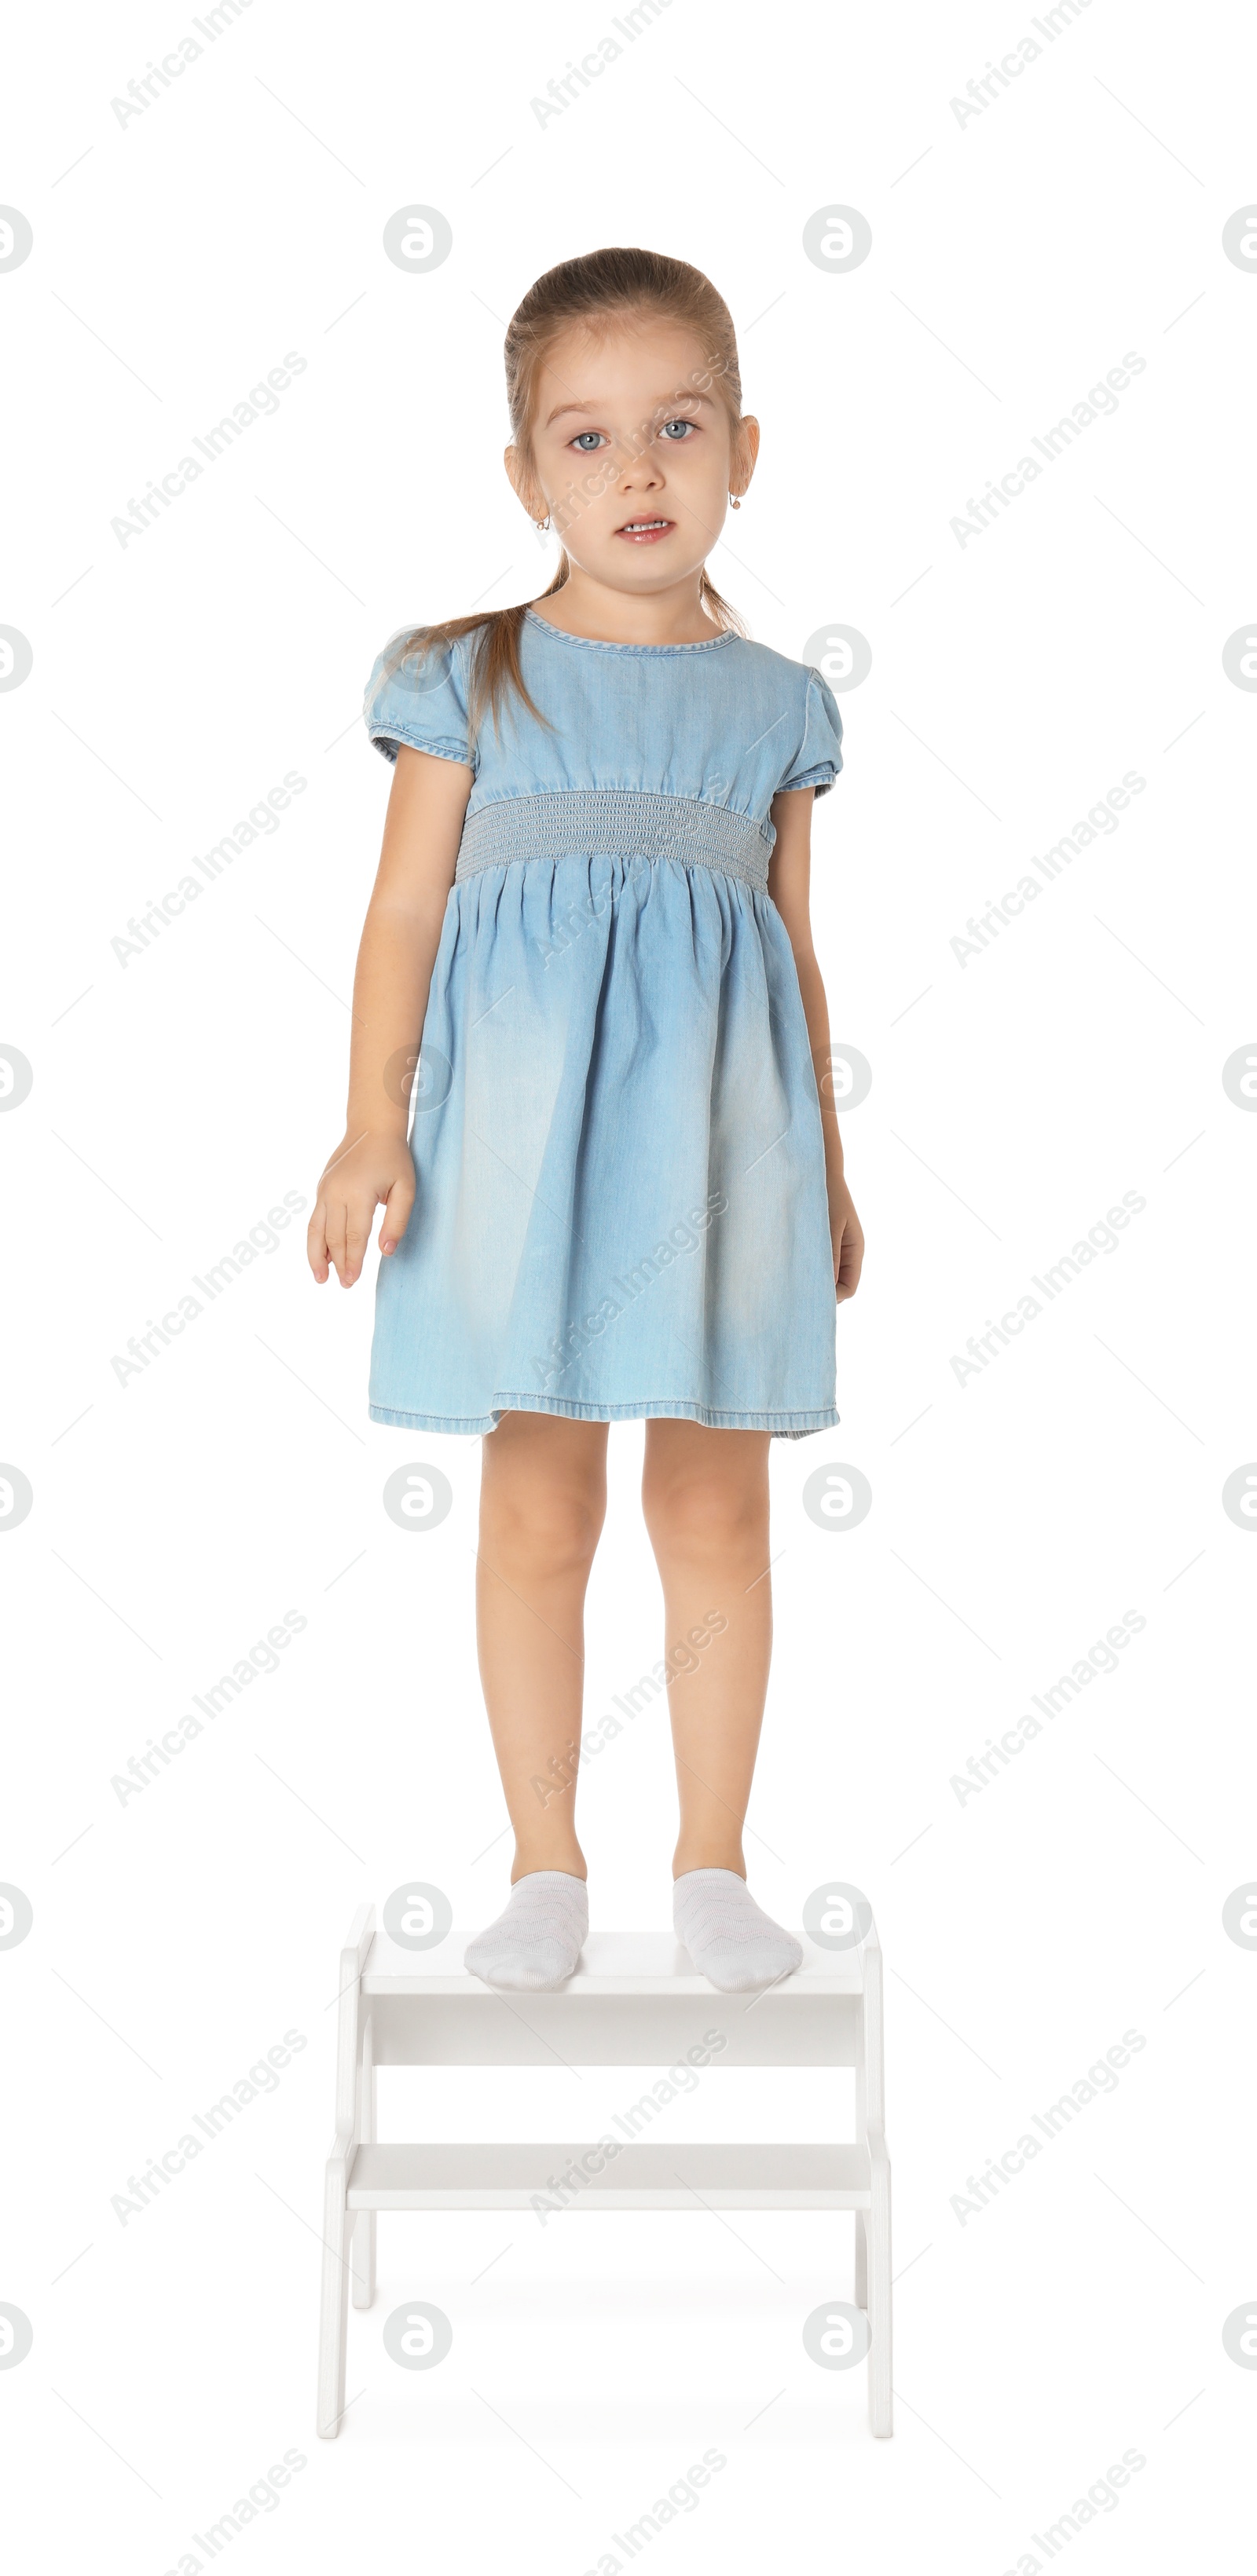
pixel 634 2001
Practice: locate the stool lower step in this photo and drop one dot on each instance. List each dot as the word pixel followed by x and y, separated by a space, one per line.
pixel 486 2176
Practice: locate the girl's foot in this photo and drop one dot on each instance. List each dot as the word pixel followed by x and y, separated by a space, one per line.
pixel 730 1941
pixel 537 1941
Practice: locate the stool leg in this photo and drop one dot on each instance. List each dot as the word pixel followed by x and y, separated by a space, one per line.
pixel 362 2257
pixel 861 2299
pixel 879 2363
pixel 362 2244
pixel 333 2315
pixel 870 2116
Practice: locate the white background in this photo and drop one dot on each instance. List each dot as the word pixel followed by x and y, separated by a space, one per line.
pixel 1016 258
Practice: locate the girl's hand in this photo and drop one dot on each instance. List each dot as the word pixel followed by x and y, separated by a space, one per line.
pixel 847 1237
pixel 362 1171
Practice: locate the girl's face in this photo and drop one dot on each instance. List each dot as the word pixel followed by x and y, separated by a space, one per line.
pixel 633 454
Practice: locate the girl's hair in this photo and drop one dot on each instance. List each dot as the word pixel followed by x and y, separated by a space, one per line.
pixel 593 293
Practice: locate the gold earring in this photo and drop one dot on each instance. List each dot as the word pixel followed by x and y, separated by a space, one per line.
pixel 734 502
pixel 542 524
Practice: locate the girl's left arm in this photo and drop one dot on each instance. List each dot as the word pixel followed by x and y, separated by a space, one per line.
pixel 789 872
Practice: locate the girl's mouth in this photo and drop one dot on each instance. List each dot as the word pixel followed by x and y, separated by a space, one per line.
pixel 646 532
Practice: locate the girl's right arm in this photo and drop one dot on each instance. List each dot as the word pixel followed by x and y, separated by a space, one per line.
pixel 400 939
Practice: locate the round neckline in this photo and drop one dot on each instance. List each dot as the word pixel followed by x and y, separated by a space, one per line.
pixel 599 644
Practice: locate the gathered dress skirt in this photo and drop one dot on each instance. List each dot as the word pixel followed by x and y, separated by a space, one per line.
pixel 621 1206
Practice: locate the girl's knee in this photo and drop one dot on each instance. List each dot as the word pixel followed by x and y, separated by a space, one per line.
pixel 708 1515
pixel 549 1524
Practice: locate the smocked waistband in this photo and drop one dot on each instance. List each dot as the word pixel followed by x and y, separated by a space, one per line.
pixel 625 822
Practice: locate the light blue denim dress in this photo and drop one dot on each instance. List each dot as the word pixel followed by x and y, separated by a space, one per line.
pixel 621 1205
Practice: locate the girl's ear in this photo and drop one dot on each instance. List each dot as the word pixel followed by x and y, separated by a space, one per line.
pixel 522 483
pixel 744 453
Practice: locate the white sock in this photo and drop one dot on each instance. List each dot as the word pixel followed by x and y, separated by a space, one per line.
pixel 537 1941
pixel 731 1942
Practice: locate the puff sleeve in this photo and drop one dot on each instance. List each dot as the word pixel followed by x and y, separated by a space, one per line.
pixel 420 699
pixel 818 757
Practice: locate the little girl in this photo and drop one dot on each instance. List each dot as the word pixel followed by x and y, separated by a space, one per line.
pixel 623 1192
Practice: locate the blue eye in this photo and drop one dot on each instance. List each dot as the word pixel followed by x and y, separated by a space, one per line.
pixel 684 426
pixel 593 435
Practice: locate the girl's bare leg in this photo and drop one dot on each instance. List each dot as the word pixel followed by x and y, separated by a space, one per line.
pixel 705 1500
pixel 705 1496
pixel 542 1502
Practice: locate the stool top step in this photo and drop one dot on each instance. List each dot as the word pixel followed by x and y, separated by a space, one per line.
pixel 612 1963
